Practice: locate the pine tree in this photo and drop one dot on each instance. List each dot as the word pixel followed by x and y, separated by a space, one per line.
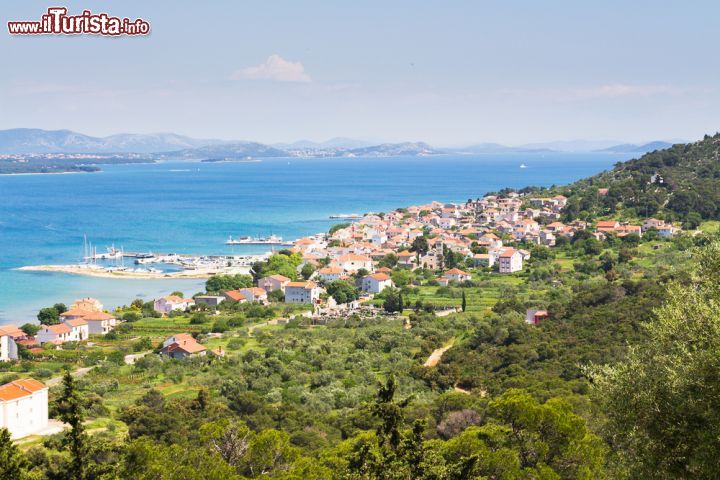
pixel 12 462
pixel 71 412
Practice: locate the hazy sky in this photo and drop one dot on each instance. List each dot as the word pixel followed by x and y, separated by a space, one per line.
pixel 448 72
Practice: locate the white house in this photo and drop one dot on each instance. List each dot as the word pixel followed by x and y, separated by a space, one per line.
pixel 667 231
pixel 181 346
pixel 98 322
pixel 407 259
pixel 302 292
pixel 56 334
pixel 23 407
pixel 170 303
pixel 510 260
pixel 352 262
pixel 79 329
pixel 254 294
pixel 329 274
pixel 273 282
pixel 8 347
pixel 376 282
pixel 457 275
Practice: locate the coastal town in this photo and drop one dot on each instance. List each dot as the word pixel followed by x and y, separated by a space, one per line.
pixel 451 243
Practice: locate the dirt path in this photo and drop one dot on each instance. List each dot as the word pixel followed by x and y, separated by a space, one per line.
pixel 445 313
pixel 77 374
pixel 252 328
pixel 436 355
pixel 133 357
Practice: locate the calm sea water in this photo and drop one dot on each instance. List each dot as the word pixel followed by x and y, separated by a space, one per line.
pixel 193 207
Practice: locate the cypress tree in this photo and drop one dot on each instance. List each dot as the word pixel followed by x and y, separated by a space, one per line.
pixel 12 462
pixel 464 301
pixel 71 412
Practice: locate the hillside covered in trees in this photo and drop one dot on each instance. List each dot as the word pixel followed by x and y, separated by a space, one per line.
pixel 619 381
pixel 679 183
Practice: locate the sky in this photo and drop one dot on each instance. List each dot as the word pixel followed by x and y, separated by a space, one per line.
pixel 448 73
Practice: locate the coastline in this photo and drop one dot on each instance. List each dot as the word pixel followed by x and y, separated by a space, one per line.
pixel 102 273
pixel 44 173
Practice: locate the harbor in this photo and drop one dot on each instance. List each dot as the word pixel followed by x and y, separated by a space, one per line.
pixel 165 265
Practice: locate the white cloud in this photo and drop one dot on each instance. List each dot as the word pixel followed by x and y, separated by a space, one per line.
pixel 623 90
pixel 274 68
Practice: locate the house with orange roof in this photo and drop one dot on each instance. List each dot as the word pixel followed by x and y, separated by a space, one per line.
pixel 607 225
pixel 457 275
pixel 10 337
pixel 23 407
pixel 87 304
pixel 98 322
pixel 57 334
pixel 534 316
pixel 375 282
pixel 8 347
pixel 352 262
pixel 407 259
pixel 273 282
pixel 181 346
pixel 234 296
pixel 302 292
pixel 171 303
pixel 330 273
pixel 254 294
pixel 624 230
pixel 79 329
pixel 510 260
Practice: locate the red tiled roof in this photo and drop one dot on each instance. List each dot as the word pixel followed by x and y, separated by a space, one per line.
pixel 77 322
pixel 20 388
pixel 59 329
pixel 455 271
pixel 305 285
pixel 380 277
pixel 235 295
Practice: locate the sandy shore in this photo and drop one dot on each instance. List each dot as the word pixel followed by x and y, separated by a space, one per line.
pixel 90 271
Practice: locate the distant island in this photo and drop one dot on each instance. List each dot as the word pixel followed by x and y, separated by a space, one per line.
pixel 14 164
pixel 25 150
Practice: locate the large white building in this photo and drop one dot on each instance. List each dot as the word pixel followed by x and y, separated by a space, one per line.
pixel 302 292
pixel 510 260
pixel 23 407
pixel 57 334
pixel 376 282
pixel 98 322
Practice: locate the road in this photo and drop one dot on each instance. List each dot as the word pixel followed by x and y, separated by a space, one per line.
pixel 77 374
pixel 436 355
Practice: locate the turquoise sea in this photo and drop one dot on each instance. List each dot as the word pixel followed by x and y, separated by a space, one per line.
pixel 193 207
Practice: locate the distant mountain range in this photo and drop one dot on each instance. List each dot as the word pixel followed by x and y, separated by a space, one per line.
pixel 33 140
pixel 162 146
pixel 632 148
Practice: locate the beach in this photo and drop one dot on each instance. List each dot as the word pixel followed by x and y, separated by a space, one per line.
pixel 100 272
